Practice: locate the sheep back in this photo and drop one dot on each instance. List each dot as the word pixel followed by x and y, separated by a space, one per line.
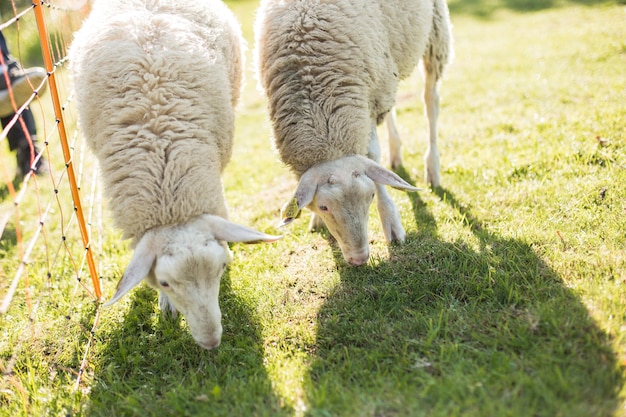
pixel 156 83
pixel 330 68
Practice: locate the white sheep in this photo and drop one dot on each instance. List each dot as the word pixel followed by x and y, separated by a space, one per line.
pixel 330 71
pixel 156 82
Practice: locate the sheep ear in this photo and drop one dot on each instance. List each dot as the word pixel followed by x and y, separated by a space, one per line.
pixel 289 212
pixel 232 232
pixel 302 197
pixel 382 175
pixel 138 268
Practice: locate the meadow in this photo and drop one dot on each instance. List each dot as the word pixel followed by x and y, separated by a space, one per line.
pixel 508 298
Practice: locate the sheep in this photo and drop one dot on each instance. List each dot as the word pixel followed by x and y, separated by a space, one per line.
pixel 330 71
pixel 156 83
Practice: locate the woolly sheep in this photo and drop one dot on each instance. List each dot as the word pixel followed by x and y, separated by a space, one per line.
pixel 330 71
pixel 156 82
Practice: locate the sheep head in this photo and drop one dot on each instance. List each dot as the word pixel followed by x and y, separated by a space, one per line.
pixel 340 193
pixel 185 263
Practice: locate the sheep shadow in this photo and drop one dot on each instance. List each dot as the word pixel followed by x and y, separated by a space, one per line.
pixel 452 328
pixel 151 366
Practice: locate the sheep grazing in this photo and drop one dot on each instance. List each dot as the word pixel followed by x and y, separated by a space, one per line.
pixel 330 71
pixel 156 82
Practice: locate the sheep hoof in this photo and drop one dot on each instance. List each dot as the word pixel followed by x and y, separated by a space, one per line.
pixel 398 236
pixel 394 232
pixel 434 182
pixel 396 163
pixel 433 178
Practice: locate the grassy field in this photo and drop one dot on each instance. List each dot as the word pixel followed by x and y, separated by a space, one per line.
pixel 508 298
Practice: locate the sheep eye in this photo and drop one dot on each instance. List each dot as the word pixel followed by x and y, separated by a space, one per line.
pixel 164 284
pixel 323 208
pixel 224 265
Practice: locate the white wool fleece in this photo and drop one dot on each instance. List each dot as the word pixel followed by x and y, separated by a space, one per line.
pixel 330 67
pixel 156 83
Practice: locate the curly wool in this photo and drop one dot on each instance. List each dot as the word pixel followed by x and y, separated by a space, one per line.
pixel 156 83
pixel 331 68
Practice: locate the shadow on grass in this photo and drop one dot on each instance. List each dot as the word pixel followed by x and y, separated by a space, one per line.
pixel 486 8
pixel 151 366
pixel 458 328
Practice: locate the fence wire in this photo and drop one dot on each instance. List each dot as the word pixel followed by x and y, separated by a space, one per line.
pixel 48 244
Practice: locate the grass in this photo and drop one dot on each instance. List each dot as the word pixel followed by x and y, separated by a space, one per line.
pixel 508 298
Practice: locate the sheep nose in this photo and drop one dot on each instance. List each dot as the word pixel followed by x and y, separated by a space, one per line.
pixel 211 340
pixel 211 344
pixel 358 260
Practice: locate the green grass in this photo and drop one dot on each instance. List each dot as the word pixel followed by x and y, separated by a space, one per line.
pixel 508 298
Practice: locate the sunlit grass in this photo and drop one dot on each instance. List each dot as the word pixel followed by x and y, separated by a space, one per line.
pixel 507 299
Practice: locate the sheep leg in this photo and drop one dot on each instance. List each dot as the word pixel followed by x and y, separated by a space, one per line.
pixel 395 156
pixel 431 158
pixel 389 216
pixel 434 60
pixel 316 223
pixel 387 211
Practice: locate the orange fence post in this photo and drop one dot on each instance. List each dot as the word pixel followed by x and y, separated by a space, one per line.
pixel 54 93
